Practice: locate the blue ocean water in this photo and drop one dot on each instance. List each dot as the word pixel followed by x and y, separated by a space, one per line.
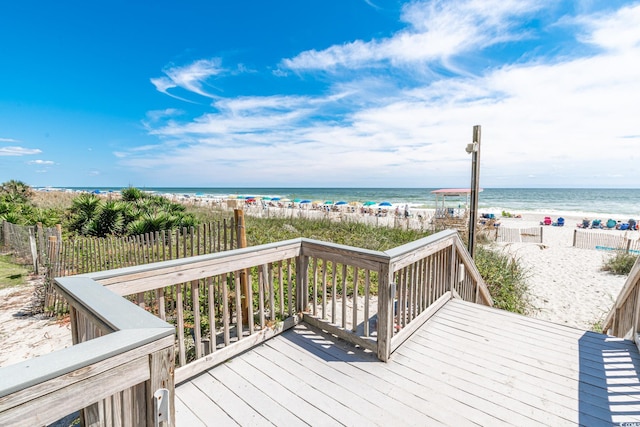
pixel 580 201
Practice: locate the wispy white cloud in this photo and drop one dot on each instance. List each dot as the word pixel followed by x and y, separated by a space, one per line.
pixel 8 140
pixel 18 151
pixel 546 121
pixel 41 162
pixel 436 31
pixel 191 77
pixel 616 32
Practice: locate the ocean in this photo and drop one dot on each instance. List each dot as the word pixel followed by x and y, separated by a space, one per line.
pixel 620 203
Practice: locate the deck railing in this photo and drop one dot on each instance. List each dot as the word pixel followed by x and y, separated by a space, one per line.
pixel 121 356
pixel 623 320
pixel 225 303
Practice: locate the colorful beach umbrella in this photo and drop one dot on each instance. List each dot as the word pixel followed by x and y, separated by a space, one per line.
pixel 369 203
pixel 296 200
pixel 385 204
pixel 328 202
pixel 305 201
pixel 341 202
pixel 275 199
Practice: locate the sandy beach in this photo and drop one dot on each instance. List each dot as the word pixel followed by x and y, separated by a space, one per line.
pixel 566 286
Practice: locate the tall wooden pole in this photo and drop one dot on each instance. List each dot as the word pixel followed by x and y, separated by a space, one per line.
pixel 244 282
pixel 474 148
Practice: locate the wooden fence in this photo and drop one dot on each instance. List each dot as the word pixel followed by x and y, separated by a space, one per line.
pixel 82 255
pixel 28 243
pixel 605 241
pixel 514 235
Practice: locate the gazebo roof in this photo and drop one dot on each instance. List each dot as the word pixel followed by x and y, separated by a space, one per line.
pixel 452 191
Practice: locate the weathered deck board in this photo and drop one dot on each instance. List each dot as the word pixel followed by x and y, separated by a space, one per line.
pixel 468 365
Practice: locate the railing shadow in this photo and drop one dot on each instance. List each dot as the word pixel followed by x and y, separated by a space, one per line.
pixel 609 384
pixel 327 347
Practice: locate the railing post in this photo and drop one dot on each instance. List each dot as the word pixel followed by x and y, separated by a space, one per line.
pixel 386 297
pixel 302 283
pixel 161 366
pixel 452 268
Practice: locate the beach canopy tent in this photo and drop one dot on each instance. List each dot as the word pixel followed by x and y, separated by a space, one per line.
pixel 452 202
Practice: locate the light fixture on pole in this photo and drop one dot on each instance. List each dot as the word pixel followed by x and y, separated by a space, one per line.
pixel 474 150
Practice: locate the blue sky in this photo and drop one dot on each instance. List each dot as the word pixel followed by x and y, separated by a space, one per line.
pixel 332 93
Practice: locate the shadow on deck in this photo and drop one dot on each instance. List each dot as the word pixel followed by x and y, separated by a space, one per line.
pixel 468 365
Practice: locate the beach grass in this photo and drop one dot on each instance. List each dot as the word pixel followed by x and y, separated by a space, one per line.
pixel 11 273
pixel 505 278
pixel 620 263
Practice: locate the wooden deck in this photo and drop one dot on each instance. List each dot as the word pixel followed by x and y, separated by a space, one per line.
pixel 468 365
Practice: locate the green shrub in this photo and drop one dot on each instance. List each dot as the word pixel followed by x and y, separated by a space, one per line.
pixel 621 263
pixel 505 278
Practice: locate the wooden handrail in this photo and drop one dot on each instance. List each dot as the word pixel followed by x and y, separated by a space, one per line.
pixel 76 377
pixel 613 324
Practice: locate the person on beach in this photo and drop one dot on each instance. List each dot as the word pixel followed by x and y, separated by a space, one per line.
pixel 406 211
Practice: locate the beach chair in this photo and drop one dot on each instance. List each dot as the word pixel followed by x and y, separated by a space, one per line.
pixel 559 222
pixel 546 221
pixel 596 223
pixel 611 224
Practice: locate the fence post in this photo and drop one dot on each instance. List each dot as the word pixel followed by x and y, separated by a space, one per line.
pixel 34 249
pixel 53 257
pixel 575 237
pixel 241 233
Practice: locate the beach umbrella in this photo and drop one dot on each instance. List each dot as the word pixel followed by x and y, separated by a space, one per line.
pixel 296 200
pixel 266 198
pixel 305 201
pixel 285 200
pixel 369 203
pixel 328 202
pixel 340 203
pixel 275 199
pixel 385 204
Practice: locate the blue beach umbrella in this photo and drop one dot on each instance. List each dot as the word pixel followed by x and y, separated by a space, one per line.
pixel 341 202
pixel 275 199
pixel 385 204
pixel 305 201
